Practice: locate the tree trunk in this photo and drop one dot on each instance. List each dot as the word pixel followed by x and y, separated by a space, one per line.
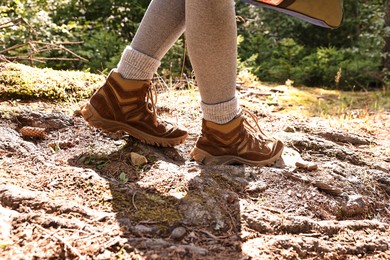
pixel 386 49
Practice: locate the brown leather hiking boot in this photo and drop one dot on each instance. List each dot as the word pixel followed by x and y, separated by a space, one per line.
pixel 236 142
pixel 130 105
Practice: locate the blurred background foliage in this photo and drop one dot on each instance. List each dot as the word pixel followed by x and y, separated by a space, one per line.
pixel 272 46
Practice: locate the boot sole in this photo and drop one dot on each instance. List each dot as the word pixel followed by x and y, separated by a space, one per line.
pixel 204 157
pixel 94 119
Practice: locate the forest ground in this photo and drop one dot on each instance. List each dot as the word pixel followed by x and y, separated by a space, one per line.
pixel 75 192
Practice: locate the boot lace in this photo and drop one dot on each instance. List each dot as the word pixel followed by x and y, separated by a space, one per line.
pixel 151 99
pixel 253 126
pixel 151 105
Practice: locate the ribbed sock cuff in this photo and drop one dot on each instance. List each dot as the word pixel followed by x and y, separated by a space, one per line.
pixel 221 113
pixel 136 65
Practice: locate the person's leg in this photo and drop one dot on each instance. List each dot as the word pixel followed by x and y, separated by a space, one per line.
pixel 211 34
pixel 162 25
pixel 127 101
pixel 212 46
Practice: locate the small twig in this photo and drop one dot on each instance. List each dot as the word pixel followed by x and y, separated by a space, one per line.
pixel 38 59
pixel 74 250
pixel 78 230
pixel 162 81
pixel 43 59
pixel 213 236
pixel 74 54
pixel 232 220
pixel 311 234
pixel 36 47
pixel 22 58
pixel 89 237
pixel 13 47
pixel 133 200
pixel 57 43
pixel 149 222
pixel 3 58
pixel 209 234
pixel 255 93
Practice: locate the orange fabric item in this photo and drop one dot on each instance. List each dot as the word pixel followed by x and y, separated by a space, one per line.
pixel 272 2
pixel 325 13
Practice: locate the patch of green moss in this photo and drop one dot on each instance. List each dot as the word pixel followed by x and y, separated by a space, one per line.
pixel 146 206
pixel 226 183
pixel 195 196
pixel 98 160
pixel 24 82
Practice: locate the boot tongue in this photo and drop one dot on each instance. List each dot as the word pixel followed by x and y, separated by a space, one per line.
pixel 225 128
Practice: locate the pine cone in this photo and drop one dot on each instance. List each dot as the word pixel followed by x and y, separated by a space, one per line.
pixel 31 131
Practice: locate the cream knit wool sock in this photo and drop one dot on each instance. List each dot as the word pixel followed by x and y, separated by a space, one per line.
pixel 136 65
pixel 221 113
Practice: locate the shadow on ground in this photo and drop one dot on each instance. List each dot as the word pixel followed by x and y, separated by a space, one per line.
pixel 170 207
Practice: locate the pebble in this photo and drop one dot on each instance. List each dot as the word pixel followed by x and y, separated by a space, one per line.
pixel 154 256
pixel 137 159
pixel 6 217
pixel 290 129
pixel 310 166
pixel 178 233
pixel 145 230
pixel 355 205
pixel 258 186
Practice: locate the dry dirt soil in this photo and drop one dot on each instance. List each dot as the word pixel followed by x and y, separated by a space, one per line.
pixel 75 192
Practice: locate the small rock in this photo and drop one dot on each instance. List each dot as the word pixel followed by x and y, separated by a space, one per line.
pixel 288 159
pixel 258 186
pixel 119 142
pixel 6 217
pixel 138 160
pixel 178 233
pixel 196 249
pixel 355 205
pixel 219 225
pixel 382 166
pixel 231 197
pixel 55 120
pixel 11 141
pixel 105 255
pixel 154 256
pixel 289 129
pixel 310 166
pixel 327 188
pixel 178 250
pixel 144 230
pixel 125 222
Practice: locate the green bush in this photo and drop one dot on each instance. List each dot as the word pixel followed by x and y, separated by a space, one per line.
pixel 276 47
